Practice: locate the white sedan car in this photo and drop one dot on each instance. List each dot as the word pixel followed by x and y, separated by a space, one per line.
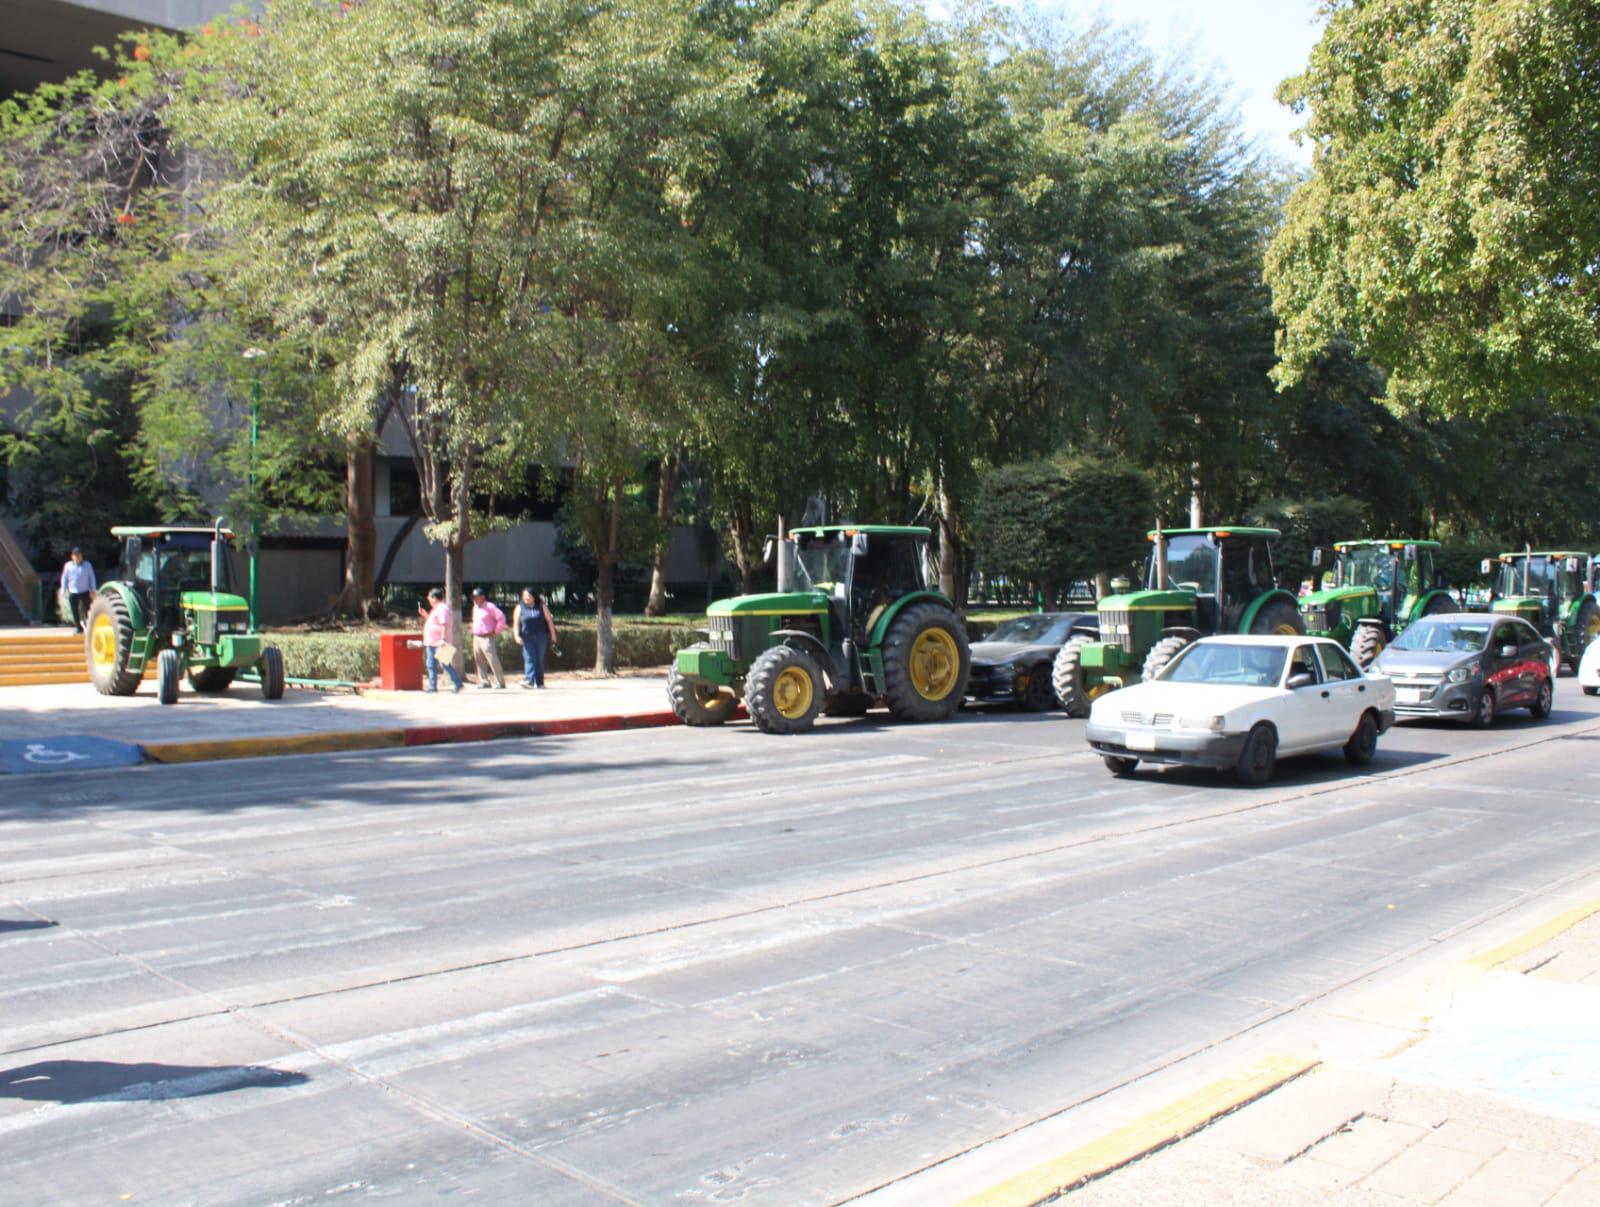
pixel 1240 703
pixel 1589 669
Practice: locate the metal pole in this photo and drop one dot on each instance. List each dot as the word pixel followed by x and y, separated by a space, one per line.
pixel 255 432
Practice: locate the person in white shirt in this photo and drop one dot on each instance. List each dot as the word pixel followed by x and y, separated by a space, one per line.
pixel 77 584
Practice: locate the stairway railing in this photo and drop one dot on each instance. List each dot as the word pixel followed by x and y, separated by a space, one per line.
pixel 19 576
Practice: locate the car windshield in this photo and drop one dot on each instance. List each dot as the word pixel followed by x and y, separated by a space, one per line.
pixel 1191 563
pixel 822 563
pixel 1459 636
pixel 1032 630
pixel 1234 663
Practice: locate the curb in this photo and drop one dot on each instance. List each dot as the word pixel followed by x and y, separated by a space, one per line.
pixel 1143 1136
pixel 218 749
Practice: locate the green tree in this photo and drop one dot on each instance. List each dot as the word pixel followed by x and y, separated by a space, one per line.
pixel 1450 228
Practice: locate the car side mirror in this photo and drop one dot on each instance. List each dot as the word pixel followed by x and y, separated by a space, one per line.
pixel 768 550
pixel 1572 565
pixel 1508 651
pixel 1296 682
pixel 1411 553
pixel 858 544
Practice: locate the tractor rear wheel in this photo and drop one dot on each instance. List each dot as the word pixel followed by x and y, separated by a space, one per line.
pixel 1279 617
pixel 1073 690
pixel 697 703
pixel 1161 653
pixel 784 690
pixel 168 672
pixel 1588 630
pixel 271 669
pixel 108 644
pixel 925 664
pixel 211 678
pixel 1368 643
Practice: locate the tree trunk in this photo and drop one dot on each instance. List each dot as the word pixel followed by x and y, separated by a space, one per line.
pixel 952 566
pixel 455 559
pixel 605 649
pixel 741 525
pixel 360 532
pixel 666 493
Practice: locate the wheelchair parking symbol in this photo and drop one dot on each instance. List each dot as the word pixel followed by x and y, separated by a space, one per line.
pixel 41 755
pixel 66 752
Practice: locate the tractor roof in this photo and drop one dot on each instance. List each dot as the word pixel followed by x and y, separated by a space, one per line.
pixel 1506 557
pixel 1394 542
pixel 156 532
pixel 1222 530
pixel 869 529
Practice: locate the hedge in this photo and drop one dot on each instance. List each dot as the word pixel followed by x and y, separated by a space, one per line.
pixel 353 657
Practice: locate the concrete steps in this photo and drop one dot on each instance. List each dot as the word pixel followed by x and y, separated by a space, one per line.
pixel 35 658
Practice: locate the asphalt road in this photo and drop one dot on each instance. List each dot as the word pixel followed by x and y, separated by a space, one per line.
pixel 703 966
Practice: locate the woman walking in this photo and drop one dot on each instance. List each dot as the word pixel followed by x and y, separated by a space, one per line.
pixel 435 637
pixel 535 633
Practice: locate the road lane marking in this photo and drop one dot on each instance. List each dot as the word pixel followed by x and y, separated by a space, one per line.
pixel 1167 1125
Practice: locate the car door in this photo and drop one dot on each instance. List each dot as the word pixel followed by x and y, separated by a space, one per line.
pixel 1535 651
pixel 1507 674
pixel 1346 685
pixel 1308 713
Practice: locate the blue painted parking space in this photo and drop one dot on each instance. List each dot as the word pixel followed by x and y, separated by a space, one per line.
pixel 68 752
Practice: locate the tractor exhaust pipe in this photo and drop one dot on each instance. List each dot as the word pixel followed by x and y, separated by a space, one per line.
pixel 785 558
pixel 219 551
pixel 1161 558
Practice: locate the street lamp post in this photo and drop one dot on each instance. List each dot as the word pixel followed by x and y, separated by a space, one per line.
pixel 252 541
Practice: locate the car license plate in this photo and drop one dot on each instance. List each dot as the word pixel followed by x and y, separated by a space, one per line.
pixel 1408 695
pixel 1141 741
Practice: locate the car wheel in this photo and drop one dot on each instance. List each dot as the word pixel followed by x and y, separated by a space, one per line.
pixel 1041 694
pixel 1483 714
pixel 1591 691
pixel 1363 743
pixel 1540 708
pixel 1119 766
pixel 1259 758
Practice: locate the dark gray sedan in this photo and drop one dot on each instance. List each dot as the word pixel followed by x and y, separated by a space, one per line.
pixel 1469 666
pixel 1012 664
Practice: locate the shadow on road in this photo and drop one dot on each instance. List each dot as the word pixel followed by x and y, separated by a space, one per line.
pixel 1300 771
pixel 8 925
pixel 71 1081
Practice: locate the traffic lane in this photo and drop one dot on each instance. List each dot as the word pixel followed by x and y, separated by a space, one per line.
pixel 338 888
pixel 828 1017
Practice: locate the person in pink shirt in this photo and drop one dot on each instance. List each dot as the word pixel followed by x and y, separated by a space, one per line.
pixel 487 623
pixel 437 624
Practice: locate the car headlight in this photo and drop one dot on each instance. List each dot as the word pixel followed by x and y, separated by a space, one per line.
pixel 1460 674
pixel 1211 724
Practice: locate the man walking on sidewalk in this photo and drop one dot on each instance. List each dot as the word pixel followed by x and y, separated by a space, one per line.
pixel 487 622
pixel 77 584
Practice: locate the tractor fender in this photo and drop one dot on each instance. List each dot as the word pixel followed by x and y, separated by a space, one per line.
pixel 1420 608
pixel 1183 631
pixel 878 624
pixel 130 599
pixel 1248 620
pixel 1372 622
pixel 808 642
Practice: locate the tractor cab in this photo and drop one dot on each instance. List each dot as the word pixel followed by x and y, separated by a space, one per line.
pixel 1395 571
pixel 860 571
pixel 181 575
pixel 1226 569
pixel 1379 588
pixel 1554 591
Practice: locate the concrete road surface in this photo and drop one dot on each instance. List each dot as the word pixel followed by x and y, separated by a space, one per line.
pixel 707 966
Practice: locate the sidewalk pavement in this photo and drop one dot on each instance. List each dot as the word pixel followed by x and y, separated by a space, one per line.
pixel 1493 1098
pixel 239 723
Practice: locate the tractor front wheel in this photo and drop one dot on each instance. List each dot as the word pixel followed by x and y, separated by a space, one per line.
pixel 697 703
pixel 108 644
pixel 168 672
pixel 1161 653
pixel 925 664
pixel 784 690
pixel 1073 690
pixel 1368 643
pixel 1588 629
pixel 271 669
pixel 1279 617
pixel 211 678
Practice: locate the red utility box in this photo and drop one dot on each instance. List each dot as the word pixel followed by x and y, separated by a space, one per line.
pixel 400 662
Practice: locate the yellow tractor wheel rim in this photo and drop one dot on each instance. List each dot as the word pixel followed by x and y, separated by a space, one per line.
pixel 935 664
pixel 1286 630
pixel 1594 628
pixel 713 699
pixel 1095 690
pixel 103 641
pixel 792 693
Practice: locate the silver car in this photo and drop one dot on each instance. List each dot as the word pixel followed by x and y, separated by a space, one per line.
pixel 1469 666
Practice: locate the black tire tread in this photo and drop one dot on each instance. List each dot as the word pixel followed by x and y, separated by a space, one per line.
pixel 169 671
pixel 690 709
pixel 903 699
pixel 1066 678
pixel 271 668
pixel 1366 643
pixel 758 689
pixel 120 681
pixel 1161 653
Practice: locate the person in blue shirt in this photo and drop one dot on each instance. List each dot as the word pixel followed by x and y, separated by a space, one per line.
pixel 78 584
pixel 535 632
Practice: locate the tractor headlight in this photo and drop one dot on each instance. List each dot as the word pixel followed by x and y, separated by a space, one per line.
pixel 1211 724
pixel 1460 674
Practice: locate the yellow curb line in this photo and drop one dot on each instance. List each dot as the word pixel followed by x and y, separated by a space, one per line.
pixel 1528 940
pixel 247 748
pixel 1144 1136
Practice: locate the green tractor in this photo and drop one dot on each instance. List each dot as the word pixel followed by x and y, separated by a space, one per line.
pixel 854 621
pixel 1200 582
pixel 171 603
pixel 1380 587
pixel 1552 591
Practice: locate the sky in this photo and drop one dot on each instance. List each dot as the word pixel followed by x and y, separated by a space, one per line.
pixel 1251 44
